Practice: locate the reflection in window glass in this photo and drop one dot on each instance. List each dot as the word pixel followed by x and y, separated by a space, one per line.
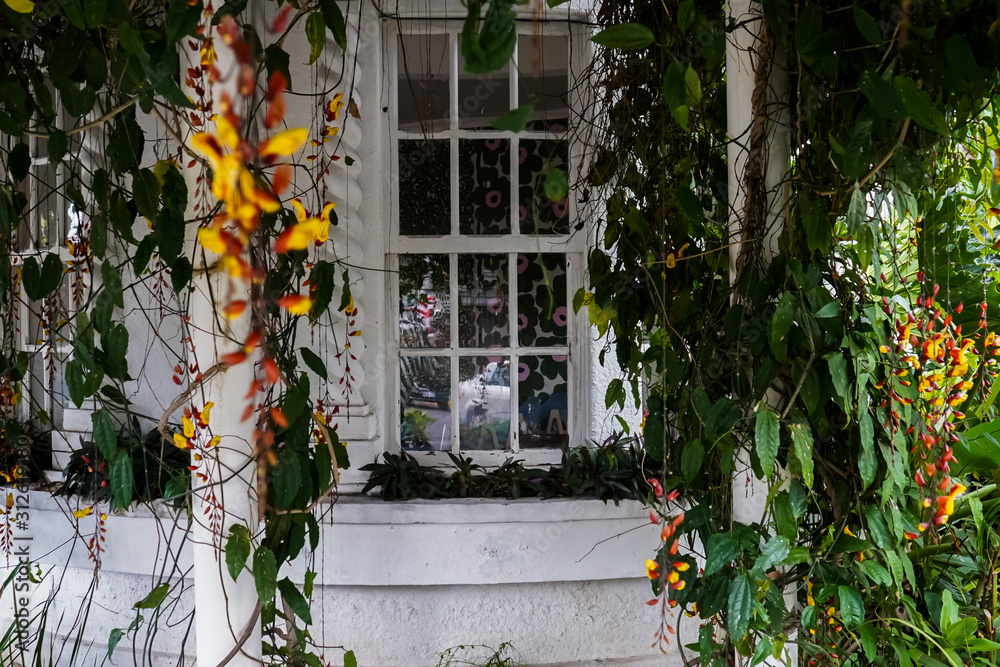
pixel 484 186
pixel 424 302
pixel 543 80
pixel 543 409
pixel 484 402
pixel 537 213
pixel 482 301
pixel 424 187
pixel 482 97
pixel 425 403
pixel 541 299
pixel 423 83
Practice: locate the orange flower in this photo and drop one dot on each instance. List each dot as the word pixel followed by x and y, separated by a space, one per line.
pixel 296 304
pixel 652 569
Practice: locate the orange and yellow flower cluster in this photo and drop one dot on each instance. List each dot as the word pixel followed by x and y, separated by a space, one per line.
pixel 928 348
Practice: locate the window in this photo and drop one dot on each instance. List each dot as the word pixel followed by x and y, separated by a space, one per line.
pixel 50 226
pixel 483 261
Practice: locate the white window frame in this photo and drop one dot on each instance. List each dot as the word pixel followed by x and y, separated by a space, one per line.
pixel 40 391
pixel 573 246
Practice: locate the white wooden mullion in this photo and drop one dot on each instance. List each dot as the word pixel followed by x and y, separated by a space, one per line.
pixel 453 127
pixel 514 430
pixel 453 323
pixel 515 142
pixel 392 264
pixel 489 244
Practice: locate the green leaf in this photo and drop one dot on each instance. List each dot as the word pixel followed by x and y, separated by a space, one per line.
pixel 121 480
pixel 350 660
pixel 314 363
pixel 852 608
pixel 556 185
pixel 856 210
pixel 265 574
pixel 866 25
pixel 691 460
pixel 624 36
pixel 112 281
pixel 19 161
pixel 322 281
pixel 741 604
pixel 316 34
pixel 238 549
pixel 176 487
pixel 949 611
pixel 295 600
pixel 767 436
pixel 74 13
pixel 514 120
pixel 784 517
pixel 57 145
pixel 142 254
pixel 153 600
pixel 837 365
pixel 774 552
pixel 692 85
pixel 39 283
pixel 345 292
pixel 146 190
pixel 781 322
pixel 802 446
pixel 919 106
pixel 276 60
pixel 868 644
pixel 307 584
pixel 334 19
pixel 180 274
pixel 675 92
pixel 287 478
pixel 113 639
pixel 876 572
pixel 721 549
pixel 74 382
pixel 99 235
pixel 104 433
pixel 867 461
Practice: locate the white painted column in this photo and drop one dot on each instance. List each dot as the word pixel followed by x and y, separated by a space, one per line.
pixel 225 611
pixel 750 492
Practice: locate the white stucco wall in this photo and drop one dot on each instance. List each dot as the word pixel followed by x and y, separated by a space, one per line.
pixel 397 583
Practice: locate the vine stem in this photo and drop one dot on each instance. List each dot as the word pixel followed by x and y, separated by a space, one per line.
pixel 92 124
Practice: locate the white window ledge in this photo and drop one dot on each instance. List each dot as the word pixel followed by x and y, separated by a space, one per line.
pixel 372 542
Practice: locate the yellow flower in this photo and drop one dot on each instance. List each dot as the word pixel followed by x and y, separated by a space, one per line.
pixel 205 411
pixel 86 511
pixel 181 442
pixel 284 143
pixel 652 569
pixel 21 6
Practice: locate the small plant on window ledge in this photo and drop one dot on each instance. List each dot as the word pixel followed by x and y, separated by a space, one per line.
pixel 613 471
pixel 157 470
pixel 413 430
pixel 472 655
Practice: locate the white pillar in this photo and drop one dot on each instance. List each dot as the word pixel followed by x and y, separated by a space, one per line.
pixel 225 611
pixel 750 492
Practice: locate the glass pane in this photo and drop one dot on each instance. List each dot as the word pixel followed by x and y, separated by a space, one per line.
pixel 484 186
pixel 541 386
pixel 541 299
pixel 425 403
pixel 537 213
pixel 482 97
pixel 482 301
pixel 46 214
pixel 424 187
pixel 543 79
pixel 483 402
pixel 423 83
pixel 424 301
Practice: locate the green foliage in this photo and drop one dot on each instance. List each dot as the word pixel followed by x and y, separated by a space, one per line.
pixel 778 367
pixel 615 471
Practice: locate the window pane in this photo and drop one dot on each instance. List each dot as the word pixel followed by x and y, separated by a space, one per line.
pixel 483 402
pixel 424 302
pixel 484 186
pixel 543 79
pixel 541 387
pixel 541 299
pixel 537 213
pixel 423 83
pixel 425 403
pixel 482 97
pixel 482 301
pixel 424 187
